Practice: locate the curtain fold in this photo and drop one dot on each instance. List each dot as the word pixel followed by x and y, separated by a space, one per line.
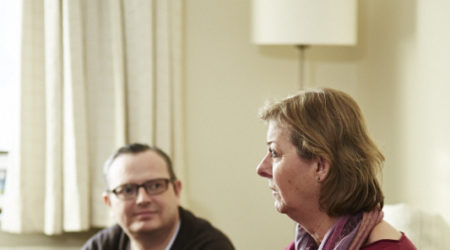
pixel 94 76
pixel 118 60
pixel 53 107
pixel 75 158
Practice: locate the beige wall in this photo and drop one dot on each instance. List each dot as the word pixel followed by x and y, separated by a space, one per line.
pixel 227 79
pixel 398 72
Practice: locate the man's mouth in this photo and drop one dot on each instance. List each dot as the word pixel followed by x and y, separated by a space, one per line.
pixel 145 213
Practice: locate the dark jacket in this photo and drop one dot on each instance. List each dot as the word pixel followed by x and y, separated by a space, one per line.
pixel 194 234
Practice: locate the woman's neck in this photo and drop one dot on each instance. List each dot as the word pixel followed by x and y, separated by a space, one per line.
pixel 316 224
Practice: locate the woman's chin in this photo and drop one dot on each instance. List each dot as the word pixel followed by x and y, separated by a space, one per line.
pixel 280 207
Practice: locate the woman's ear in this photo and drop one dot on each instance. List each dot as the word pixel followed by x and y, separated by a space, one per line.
pixel 323 168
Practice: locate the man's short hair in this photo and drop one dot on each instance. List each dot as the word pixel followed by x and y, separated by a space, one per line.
pixel 135 148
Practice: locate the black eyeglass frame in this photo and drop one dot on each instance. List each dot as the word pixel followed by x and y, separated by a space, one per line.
pixel 144 185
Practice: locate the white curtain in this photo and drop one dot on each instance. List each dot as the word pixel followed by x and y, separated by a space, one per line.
pixel 95 74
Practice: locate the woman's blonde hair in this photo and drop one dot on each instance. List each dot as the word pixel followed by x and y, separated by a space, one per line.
pixel 328 123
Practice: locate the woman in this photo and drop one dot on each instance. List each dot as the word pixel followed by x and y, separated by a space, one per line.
pixel 322 167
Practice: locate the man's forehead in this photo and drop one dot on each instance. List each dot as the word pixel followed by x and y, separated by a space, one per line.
pixel 147 160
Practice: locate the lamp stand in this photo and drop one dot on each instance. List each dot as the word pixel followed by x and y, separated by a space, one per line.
pixel 301 49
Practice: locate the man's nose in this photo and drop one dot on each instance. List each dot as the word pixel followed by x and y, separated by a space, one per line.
pixel 264 168
pixel 142 195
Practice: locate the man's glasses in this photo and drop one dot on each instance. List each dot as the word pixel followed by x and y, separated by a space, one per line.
pixel 152 187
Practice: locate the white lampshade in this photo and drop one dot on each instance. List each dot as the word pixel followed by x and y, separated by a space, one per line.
pixel 305 22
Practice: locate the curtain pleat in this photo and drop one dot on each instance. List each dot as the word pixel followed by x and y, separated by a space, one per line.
pixel 53 86
pixel 75 154
pixel 163 88
pixel 177 101
pixel 29 150
pixel 94 76
pixel 118 60
pixel 140 68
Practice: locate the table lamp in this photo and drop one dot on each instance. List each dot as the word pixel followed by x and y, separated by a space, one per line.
pixel 303 23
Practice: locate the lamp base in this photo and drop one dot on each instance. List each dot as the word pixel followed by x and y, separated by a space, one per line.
pixel 301 48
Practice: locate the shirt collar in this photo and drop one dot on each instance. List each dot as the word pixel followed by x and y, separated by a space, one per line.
pixel 174 236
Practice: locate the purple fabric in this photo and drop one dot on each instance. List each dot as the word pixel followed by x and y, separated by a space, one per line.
pixel 338 237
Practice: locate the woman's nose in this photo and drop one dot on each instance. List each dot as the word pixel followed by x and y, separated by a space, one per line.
pixel 264 168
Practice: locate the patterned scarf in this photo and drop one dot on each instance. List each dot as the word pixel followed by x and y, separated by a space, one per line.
pixel 349 232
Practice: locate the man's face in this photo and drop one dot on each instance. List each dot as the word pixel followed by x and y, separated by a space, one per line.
pixel 145 213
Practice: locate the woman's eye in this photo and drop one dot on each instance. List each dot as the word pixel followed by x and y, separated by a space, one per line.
pixel 273 153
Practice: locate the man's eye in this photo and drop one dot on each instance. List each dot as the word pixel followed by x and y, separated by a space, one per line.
pixel 129 189
pixel 155 185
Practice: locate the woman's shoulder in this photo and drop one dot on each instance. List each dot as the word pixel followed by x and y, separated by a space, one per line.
pixel 383 231
pixel 385 236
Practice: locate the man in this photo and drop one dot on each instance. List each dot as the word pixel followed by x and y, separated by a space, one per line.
pixel 143 196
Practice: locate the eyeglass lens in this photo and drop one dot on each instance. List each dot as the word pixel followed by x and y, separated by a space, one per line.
pixel 152 187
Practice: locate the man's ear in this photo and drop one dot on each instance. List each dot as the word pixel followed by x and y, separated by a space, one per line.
pixel 323 168
pixel 177 187
pixel 106 199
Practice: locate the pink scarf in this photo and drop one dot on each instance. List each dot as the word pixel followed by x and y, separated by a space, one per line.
pixel 349 232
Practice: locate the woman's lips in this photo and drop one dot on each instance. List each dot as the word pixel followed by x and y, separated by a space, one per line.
pixel 274 191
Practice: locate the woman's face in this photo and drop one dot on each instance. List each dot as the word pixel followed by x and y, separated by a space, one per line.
pixel 292 179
